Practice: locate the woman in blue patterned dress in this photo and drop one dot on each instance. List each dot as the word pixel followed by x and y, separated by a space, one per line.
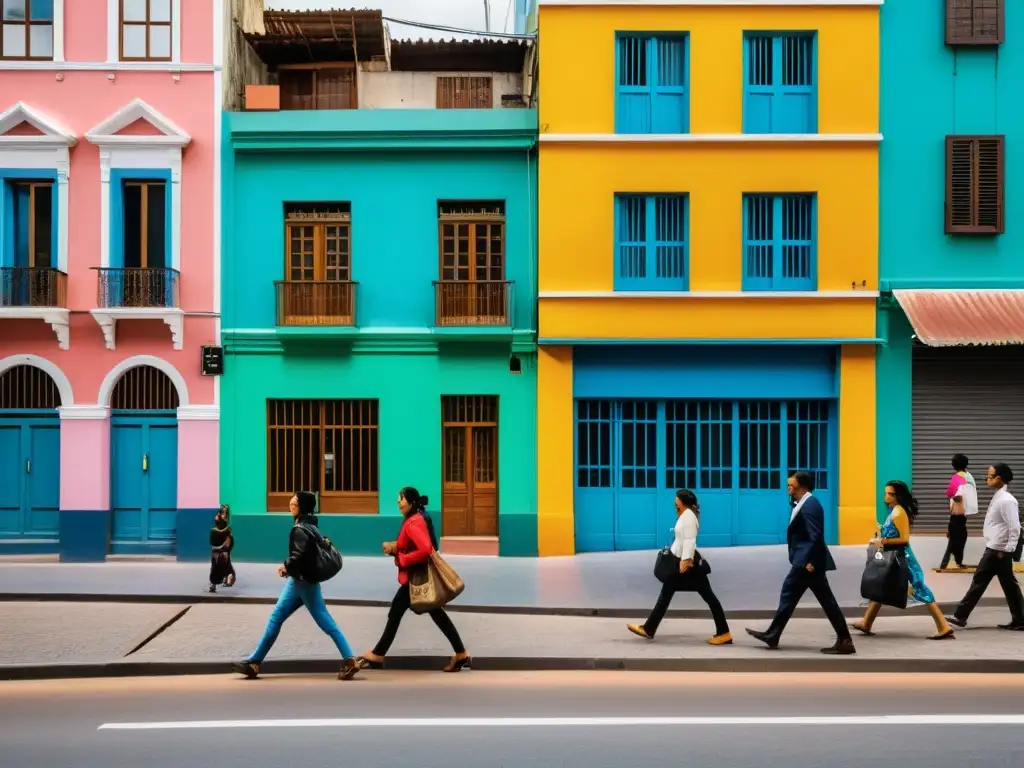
pixel 894 533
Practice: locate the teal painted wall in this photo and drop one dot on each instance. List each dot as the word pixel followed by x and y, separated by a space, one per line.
pixel 392 166
pixel 929 91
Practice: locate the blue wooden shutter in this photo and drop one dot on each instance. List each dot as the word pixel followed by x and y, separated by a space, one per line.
pixel 795 108
pixel 759 94
pixel 633 89
pixel 670 105
pixel 631 229
pixel 795 270
pixel 666 261
pixel 758 242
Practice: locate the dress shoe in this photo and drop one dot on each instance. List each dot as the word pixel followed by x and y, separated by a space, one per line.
pixel 843 647
pixel 1013 626
pixel 770 640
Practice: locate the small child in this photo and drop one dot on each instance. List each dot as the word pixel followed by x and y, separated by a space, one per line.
pixel 221 544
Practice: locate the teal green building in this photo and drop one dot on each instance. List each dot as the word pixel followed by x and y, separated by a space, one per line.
pixel 379 314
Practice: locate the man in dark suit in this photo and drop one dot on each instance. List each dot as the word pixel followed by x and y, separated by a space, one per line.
pixel 810 561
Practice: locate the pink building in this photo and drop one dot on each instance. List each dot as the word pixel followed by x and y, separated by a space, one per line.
pixel 109 275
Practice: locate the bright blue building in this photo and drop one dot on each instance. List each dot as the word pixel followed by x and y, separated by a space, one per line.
pixel 951 371
pixel 379 291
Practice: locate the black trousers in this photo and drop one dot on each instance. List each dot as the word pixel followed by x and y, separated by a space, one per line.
pixel 703 588
pixel 399 606
pixel 992 566
pixel 797 582
pixel 956 535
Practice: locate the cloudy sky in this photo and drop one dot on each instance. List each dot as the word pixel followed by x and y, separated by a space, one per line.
pixel 463 14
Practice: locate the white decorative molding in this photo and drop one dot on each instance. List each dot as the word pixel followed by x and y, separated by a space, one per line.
pixel 218 108
pixel 84 413
pixel 104 66
pixel 115 373
pixel 50 368
pixel 711 138
pixel 149 152
pixel 58 31
pixel 114 33
pixel 725 3
pixel 58 318
pixel 107 320
pixel 865 294
pixel 199 413
pixel 49 150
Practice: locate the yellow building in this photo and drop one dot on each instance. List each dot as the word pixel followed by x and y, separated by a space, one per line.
pixel 708 267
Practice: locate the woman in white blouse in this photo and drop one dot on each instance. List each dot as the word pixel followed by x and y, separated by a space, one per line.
pixel 691 578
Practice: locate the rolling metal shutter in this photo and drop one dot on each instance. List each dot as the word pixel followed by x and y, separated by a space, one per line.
pixel 965 400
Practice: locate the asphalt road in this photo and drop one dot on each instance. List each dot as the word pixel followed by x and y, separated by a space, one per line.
pixel 482 720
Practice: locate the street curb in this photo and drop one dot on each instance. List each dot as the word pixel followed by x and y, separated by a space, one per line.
pixel 803 612
pixel 770 662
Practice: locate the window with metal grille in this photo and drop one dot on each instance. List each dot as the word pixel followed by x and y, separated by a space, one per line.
pixel 144 388
pixel 779 243
pixel 465 92
pixel 760 459
pixel 781 93
pixel 651 242
pixel 25 387
pixel 807 441
pixel 594 444
pixel 975 22
pixel 652 78
pixel 975 185
pixel 330 447
pixel 329 87
pixel 698 444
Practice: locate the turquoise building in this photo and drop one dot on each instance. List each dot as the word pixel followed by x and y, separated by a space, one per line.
pixel 379 296
pixel 950 374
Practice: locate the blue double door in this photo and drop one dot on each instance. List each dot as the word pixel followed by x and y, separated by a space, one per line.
pixel 632 456
pixel 29 476
pixel 143 483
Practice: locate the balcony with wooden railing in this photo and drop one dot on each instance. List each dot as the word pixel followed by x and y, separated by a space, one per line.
pixel 137 288
pixel 37 287
pixel 472 303
pixel 316 302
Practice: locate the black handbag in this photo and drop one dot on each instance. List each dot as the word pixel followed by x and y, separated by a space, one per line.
pixel 666 567
pixel 886 578
pixel 326 560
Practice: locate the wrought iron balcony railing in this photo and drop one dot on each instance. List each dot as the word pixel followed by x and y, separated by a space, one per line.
pixel 463 302
pixel 137 288
pixel 33 287
pixel 319 302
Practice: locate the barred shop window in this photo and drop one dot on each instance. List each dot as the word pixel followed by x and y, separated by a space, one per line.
pixel 975 22
pixel 975 185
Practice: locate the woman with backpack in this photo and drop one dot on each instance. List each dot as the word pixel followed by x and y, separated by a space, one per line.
pixel 302 588
pixel 416 541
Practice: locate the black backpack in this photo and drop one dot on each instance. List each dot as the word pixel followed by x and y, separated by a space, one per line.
pixel 325 560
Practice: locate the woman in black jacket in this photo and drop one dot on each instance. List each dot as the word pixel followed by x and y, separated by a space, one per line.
pixel 299 591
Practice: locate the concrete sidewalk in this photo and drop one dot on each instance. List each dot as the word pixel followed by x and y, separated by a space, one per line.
pixel 620 584
pixel 55 640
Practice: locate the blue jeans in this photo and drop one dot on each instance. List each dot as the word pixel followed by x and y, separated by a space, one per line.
pixel 294 595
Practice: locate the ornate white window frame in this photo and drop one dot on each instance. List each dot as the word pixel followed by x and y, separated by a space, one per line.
pixel 114 34
pixel 161 151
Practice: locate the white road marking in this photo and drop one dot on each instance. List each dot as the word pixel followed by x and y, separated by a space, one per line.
pixel 572 722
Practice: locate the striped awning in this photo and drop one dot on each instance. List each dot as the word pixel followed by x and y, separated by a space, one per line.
pixel 952 318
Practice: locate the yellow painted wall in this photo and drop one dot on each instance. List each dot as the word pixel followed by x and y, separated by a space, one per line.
pixel 577 76
pixel 858 491
pixel 556 533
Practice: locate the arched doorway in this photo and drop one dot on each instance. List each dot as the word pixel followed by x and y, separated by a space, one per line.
pixel 143 462
pixel 29 455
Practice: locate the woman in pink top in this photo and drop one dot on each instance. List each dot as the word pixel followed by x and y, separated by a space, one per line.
pixel 956 532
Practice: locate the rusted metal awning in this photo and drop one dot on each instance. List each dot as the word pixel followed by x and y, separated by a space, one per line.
pixel 952 318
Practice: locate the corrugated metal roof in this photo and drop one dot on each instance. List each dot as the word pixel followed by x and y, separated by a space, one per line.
pixel 293 37
pixel 479 55
pixel 950 318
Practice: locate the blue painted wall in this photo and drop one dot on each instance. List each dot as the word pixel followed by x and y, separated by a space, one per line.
pixel 929 91
pixel 394 200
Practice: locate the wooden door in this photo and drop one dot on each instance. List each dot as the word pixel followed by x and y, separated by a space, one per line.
pixel 473 263
pixel 469 496
pixel 318 288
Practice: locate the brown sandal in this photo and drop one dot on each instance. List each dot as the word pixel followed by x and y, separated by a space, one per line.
pixel 457 664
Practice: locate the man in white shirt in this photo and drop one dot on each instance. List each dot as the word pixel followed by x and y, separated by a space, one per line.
pixel 1002 530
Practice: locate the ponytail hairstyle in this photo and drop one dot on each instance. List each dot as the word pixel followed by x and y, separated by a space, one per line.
pixel 904 498
pixel 689 499
pixel 419 502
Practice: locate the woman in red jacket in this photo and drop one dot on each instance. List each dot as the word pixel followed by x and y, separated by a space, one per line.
pixel 416 540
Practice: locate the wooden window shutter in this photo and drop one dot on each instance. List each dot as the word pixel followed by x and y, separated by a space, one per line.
pixel 460 92
pixel 975 22
pixel 975 189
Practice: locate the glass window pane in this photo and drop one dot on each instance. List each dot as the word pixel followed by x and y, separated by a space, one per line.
pixel 41 41
pixel 14 10
pixel 159 10
pixel 41 10
pixel 133 41
pixel 43 225
pixel 133 10
pixel 14 40
pixel 156 240
pixel 160 42
pixel 132 226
